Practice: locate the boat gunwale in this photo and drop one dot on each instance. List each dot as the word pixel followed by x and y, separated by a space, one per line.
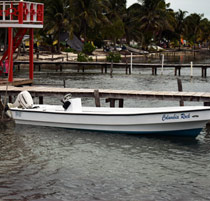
pixel 106 114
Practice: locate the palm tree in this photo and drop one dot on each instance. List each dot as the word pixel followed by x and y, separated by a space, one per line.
pixel 156 17
pixel 131 21
pixel 205 31
pixel 180 24
pixel 86 14
pixel 57 18
pixel 193 29
pixel 116 13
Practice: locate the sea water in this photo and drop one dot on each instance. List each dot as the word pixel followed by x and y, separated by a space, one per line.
pixel 39 163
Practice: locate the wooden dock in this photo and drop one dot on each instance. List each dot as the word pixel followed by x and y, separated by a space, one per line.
pixel 38 65
pixel 16 81
pixel 110 95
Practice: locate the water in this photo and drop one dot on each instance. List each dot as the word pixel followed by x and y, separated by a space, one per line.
pixel 39 163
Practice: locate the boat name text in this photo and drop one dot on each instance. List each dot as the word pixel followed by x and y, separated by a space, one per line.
pixel 167 117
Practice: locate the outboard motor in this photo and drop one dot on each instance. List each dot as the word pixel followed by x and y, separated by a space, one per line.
pixel 24 100
pixel 66 101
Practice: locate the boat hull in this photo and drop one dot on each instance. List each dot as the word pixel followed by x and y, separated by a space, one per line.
pixel 179 122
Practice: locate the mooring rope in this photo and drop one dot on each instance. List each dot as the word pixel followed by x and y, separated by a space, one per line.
pixel 7 83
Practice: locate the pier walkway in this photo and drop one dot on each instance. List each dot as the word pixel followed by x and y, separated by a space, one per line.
pixel 105 65
pixel 110 95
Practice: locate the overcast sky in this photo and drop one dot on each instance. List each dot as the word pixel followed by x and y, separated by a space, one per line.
pixel 192 6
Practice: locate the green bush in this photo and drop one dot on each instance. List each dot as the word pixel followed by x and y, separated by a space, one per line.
pixel 88 48
pixel 81 57
pixel 114 56
pixel 68 49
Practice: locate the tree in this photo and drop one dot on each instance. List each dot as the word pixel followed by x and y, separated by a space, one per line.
pixel 180 24
pixel 57 18
pixel 156 17
pixel 116 12
pixel 131 23
pixel 86 14
pixel 205 31
pixel 193 29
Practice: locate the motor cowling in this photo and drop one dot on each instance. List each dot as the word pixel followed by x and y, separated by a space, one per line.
pixel 24 100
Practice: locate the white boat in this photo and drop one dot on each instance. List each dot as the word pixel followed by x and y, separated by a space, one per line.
pixel 180 121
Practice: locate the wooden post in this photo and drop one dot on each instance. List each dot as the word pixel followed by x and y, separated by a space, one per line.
pixel 10 99
pixel 154 71
pixel 41 100
pixel 162 64
pixel 180 89
pixel 126 68
pixel 111 69
pixel 206 104
pixel 191 69
pixel 121 103
pixel 105 68
pixel 102 69
pixel 56 67
pixel 97 98
pixel 112 102
pixel 204 72
pixel 179 70
pixel 130 70
pixel 37 54
pixel 131 67
pixel 64 83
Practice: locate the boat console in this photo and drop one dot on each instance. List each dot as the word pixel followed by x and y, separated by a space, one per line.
pixel 72 104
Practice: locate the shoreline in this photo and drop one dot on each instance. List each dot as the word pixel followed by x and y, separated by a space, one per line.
pixel 99 55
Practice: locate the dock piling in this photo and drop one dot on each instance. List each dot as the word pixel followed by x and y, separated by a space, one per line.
pixel 113 100
pixel 41 100
pixel 131 67
pixel 180 89
pixel 191 69
pixel 162 64
pixel 111 70
pixel 97 98
pixel 204 72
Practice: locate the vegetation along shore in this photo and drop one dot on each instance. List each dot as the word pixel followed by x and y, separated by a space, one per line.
pixel 81 26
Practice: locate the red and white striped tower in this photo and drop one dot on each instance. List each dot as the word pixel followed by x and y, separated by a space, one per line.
pixel 26 16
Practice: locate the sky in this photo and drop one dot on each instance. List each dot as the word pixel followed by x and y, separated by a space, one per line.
pixel 192 6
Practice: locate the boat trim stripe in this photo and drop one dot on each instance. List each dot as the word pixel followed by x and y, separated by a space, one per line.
pixel 104 114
